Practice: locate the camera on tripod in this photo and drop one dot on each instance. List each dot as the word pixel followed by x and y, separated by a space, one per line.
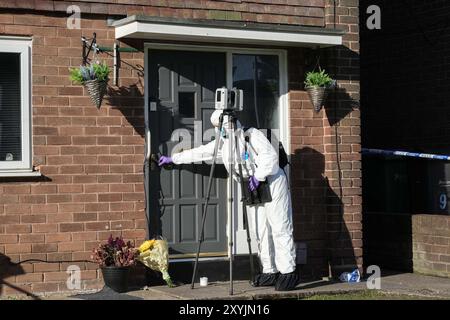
pixel 229 100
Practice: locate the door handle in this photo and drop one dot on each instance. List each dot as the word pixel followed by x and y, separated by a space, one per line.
pixel 154 159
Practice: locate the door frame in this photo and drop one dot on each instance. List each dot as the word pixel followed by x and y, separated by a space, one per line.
pixel 284 115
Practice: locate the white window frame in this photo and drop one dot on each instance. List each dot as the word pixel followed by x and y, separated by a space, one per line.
pixel 22 46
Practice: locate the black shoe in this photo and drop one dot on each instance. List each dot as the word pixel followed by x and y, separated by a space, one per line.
pixel 287 282
pixel 265 279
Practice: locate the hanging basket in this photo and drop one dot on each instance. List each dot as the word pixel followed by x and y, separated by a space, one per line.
pixel 97 90
pixel 317 96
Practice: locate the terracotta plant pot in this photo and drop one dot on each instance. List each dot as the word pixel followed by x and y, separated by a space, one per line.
pixel 116 278
pixel 97 90
pixel 317 96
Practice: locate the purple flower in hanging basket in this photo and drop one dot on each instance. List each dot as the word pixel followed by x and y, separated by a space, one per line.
pixel 87 73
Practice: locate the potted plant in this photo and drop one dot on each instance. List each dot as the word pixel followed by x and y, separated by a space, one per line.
pixel 115 258
pixel 316 84
pixel 95 78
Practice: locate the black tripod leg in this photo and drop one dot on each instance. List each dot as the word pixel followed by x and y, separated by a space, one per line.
pixel 202 229
pixel 244 210
pixel 249 242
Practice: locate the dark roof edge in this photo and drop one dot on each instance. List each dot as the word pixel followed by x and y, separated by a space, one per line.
pixel 229 25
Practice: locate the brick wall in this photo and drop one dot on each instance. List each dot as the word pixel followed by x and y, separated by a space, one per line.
pixel 326 152
pixel 300 12
pixel 431 245
pixel 91 159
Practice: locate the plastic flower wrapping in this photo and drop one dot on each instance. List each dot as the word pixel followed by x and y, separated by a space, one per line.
pixel 154 254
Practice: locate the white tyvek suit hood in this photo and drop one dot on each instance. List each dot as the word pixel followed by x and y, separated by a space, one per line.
pixel 271 223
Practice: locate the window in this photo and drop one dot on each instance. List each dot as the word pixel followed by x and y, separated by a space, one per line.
pixel 15 122
pixel 258 76
pixel 186 101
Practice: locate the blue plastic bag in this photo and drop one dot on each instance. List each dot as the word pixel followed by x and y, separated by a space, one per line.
pixel 351 277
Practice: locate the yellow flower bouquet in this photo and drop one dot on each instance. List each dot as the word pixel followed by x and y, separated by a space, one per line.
pixel 154 254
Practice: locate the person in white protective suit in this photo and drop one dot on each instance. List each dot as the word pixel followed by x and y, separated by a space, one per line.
pixel 270 223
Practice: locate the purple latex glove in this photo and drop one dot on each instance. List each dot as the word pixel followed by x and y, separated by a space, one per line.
pixel 253 184
pixel 163 160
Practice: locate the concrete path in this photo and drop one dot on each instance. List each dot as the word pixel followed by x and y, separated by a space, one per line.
pixel 409 284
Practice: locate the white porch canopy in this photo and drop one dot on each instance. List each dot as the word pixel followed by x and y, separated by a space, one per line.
pixel 155 28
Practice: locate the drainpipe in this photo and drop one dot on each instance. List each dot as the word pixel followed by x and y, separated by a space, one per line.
pixel 334 12
pixel 147 160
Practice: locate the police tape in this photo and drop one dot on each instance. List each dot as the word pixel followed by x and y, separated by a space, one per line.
pixel 366 151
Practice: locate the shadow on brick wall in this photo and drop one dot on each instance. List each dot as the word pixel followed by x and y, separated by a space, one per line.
pixel 320 217
pixel 339 105
pixel 129 100
pixel 8 269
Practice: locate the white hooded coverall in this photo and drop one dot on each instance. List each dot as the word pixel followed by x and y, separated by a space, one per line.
pixel 270 223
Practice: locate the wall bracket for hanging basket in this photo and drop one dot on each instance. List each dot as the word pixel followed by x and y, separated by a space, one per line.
pixel 91 45
pixel 97 89
pixel 88 46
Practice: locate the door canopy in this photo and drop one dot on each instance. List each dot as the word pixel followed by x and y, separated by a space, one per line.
pixel 156 28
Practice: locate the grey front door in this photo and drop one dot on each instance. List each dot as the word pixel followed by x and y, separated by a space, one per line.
pixel 181 90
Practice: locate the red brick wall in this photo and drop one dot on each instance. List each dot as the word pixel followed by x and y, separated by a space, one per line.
pixel 326 152
pixel 431 245
pixel 300 12
pixel 92 159
pixel 342 139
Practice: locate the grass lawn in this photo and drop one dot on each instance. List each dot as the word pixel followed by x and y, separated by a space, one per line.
pixel 367 295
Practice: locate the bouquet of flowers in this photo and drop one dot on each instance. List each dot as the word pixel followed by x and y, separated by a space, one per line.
pixel 154 254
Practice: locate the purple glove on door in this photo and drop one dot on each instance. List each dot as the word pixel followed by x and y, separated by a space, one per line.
pixel 253 184
pixel 163 160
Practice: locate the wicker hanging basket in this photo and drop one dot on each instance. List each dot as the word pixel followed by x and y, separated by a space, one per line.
pixel 317 96
pixel 97 90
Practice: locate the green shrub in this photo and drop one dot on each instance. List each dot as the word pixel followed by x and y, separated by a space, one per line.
pixel 318 79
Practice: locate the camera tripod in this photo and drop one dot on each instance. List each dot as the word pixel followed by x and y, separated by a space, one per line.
pixel 232 125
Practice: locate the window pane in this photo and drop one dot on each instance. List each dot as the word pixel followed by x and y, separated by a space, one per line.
pixel 258 76
pixel 186 104
pixel 10 108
